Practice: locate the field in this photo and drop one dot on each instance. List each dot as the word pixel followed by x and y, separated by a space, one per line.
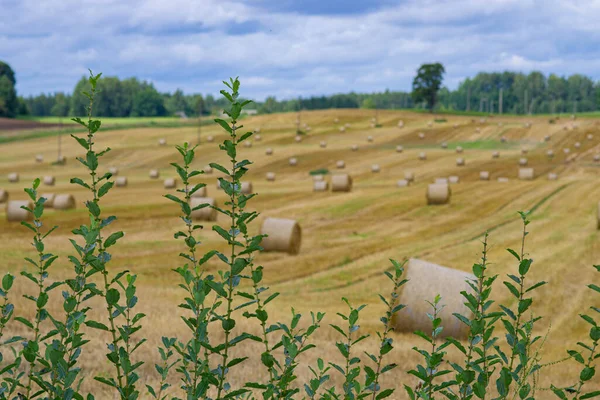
pixel 347 237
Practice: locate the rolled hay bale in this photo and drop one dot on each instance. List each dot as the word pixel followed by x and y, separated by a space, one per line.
pixel 502 179
pixel 422 156
pixel 14 212
pixel 62 160
pixel 153 174
pixel 257 138
pixel 438 193
pixel 284 235
pixel 354 147
pixel 400 124
pixel 210 138
pixel 208 170
pixel 298 138
pixel 3 195
pixel 577 145
pixel 342 129
pixel 206 213
pixel 590 136
pixel 336 120
pixel 409 176
pixel 270 176
pixel 430 124
pixel 455 125
pixel 341 183
pixel 320 186
pixel 369 138
pixel 526 174
pixel 500 124
pixel 63 202
pixel 170 183
pixel 402 183
pixel 421 136
pixel 524 151
pixel 495 154
pixel 523 161
pixel 49 199
pixel 484 176
pixel 372 125
pixel 441 181
pixel 121 181
pixel 202 192
pixel 340 164
pixel 482 120
pixel 375 168
pixel 477 130
pixel 257 130
pixel 162 142
pixel 323 144
pixel 247 143
pixel 552 176
pixel 269 151
pixel 547 138
pixel 13 177
pixel 596 157
pixel 39 158
pixel 566 150
pixel 453 179
pixel 444 145
pixel 550 153
pixel 503 139
pixel 347 125
pixel 399 149
pixel 459 149
pixel 114 171
pixel 318 178
pixel 246 188
pixel 49 180
pixel 293 161
pixel 460 162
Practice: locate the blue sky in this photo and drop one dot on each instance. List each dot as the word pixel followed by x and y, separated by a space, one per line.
pixel 290 48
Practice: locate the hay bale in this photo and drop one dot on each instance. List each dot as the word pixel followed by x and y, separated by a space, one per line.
pixel 430 124
pixel 202 192
pixel 354 147
pixel 162 142
pixel 14 212
pixel 246 188
pixel 375 168
pixel 320 186
pixel 372 125
pixel 63 202
pixel 170 183
pixel 550 153
pixel 336 120
pixel 206 213
pixel 441 181
pixel 459 149
pixel 318 178
pixel 422 156
pixel 502 179
pixel 460 162
pixel 369 138
pixel 577 145
pixel 524 151
pixel 298 138
pixel 566 150
pixel 341 183
pixel 590 136
pixel 284 235
pixel 438 193
pixel 597 157
pixel 342 129
pixel 453 179
pixel 547 138
pixel 154 174
pixel 114 171
pixel 270 176
pixel 503 139
pixel 49 199
pixel 61 160
pixel 257 130
pixel 484 176
pixel 340 164
pixel 482 120
pixel 293 161
pixel 49 180
pixel 500 124
pixel 399 149
pixel 552 176
pixel 323 144
pixel 210 138
pixel 257 138
pixel 477 130
pixel 402 183
pixel 121 181
pixel 247 143
pixel 13 177
pixel 39 158
pixel 426 278
pixel 455 125
pixel 444 145
pixel 495 154
pixel 269 151
pixel 522 161
pixel 208 170
pixel 526 174
pixel 3 195
pixel 421 136
pixel 409 176
pixel 347 125
pixel 400 124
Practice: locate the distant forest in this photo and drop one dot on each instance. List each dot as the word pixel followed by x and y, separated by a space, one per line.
pixel 521 93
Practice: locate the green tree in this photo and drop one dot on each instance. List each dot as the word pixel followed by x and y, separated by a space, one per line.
pixel 368 103
pixel 427 83
pixel 148 103
pixel 9 104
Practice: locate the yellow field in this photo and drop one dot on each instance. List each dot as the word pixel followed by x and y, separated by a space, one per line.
pixel 347 237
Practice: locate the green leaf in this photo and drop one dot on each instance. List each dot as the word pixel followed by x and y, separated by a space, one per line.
pixel 7 282
pixel 587 373
pixel 384 394
pixel 590 395
pixel 112 296
pixel 96 325
pixel 224 125
pixel 112 239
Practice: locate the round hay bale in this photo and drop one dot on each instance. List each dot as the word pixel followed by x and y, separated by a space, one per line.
pixel 597 157
pixel 121 181
pixel 523 161
pixel 61 160
pixel 246 188
pixel 320 186
pixel 341 183
pixel 247 143
pixel 284 235
pixel 443 181
pixel 63 202
pixel 500 124
pixel 495 154
pixel 257 138
pixel 482 120
pixel 566 150
pixel 460 162
pixel 550 153
pixel 342 129
pixel 202 192
pixel 590 136
pixel 421 135
pixel 14 212
pixel 372 125
pixel 3 195
pixel 375 168
pixel 354 147
pixel 340 164
pixel 154 174
pixel 323 144
pixel 162 142
pixel 409 176
pixel 526 174
pixel 577 145
pixel 257 130
pixel 293 161
pixel 444 145
pixel 399 149
pixel 455 125
pixel 270 176
pixel 206 213
pixel 210 138
pixel 426 278
pixel 39 158
pixel 369 138
pixel 298 138
pixel 502 179
pixel 459 149
pixel 422 156
pixel 438 193
pixel 269 151
pixel 430 124
pixel 347 125
pixel 114 171
pixel 524 151
pixel 552 176
pixel 477 130
pixel 49 199
pixel 13 177
pixel 208 170
pixel 170 183
pixel 318 178
pixel 547 138
pixel 484 176
pixel 403 183
pixel 453 179
pixel 400 124
pixel 503 139
pixel 49 180
pixel 336 120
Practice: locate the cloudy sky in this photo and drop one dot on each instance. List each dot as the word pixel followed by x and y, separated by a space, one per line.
pixel 291 48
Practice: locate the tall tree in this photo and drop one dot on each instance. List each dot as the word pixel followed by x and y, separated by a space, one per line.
pixel 427 83
pixel 9 103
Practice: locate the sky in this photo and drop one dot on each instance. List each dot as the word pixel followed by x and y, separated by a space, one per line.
pixel 291 48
